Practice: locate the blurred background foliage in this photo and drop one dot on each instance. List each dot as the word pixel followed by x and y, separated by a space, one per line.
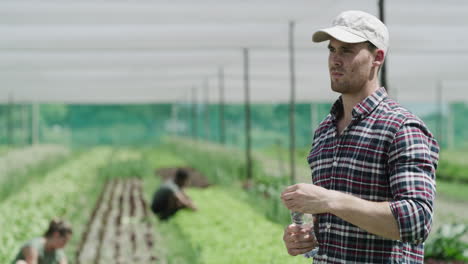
pixel 142 123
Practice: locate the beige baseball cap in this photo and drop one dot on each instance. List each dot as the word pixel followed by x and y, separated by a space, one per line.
pixel 355 26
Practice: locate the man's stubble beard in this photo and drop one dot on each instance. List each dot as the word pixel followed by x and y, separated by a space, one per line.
pixel 339 87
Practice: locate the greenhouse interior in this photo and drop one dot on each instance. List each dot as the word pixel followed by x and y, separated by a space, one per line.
pixel 103 102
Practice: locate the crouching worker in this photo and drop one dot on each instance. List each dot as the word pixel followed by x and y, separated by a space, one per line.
pixel 170 197
pixel 47 249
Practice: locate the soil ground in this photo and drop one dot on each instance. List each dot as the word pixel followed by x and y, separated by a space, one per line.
pixel 118 230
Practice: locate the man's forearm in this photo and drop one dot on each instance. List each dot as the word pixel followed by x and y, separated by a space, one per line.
pixel 374 217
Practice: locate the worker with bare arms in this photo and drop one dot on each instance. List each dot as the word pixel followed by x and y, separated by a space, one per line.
pixel 47 249
pixel 171 197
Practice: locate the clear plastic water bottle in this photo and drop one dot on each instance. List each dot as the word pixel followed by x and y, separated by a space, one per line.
pixel 298 219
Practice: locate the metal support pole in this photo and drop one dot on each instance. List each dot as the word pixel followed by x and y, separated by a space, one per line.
pixel 194 114
pixel 248 153
pixel 440 114
pixel 450 127
pixel 10 120
pixel 383 71
pixel 206 90
pixel 24 125
pixel 188 114
pixel 4 123
pixel 292 138
pixel 222 131
pixel 35 123
pixel 314 116
pixel 173 128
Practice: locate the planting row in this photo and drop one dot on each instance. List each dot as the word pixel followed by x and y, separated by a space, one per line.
pixel 119 230
pixel 21 159
pixel 59 193
pixel 227 229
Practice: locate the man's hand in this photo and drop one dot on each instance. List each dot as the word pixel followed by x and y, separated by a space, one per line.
pixel 307 198
pixel 299 240
pixel 374 217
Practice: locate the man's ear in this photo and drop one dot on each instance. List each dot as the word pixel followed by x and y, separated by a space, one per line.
pixel 379 58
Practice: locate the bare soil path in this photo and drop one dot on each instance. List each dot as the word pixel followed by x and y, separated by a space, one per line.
pixel 119 231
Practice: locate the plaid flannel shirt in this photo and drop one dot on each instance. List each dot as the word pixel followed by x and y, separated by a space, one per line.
pixel 385 154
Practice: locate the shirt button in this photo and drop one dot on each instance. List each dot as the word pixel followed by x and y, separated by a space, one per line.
pixel 335 164
pixel 325 257
pixel 328 226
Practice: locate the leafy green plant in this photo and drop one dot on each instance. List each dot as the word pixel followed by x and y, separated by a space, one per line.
pixel 446 244
pixel 22 159
pixel 3 149
pixel 452 190
pixel 452 171
pixel 229 230
pixel 26 213
pixel 17 180
pixel 126 168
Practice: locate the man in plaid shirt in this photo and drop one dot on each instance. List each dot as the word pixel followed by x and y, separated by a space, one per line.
pixel 373 162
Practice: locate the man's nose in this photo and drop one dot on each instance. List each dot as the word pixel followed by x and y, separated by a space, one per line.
pixel 335 59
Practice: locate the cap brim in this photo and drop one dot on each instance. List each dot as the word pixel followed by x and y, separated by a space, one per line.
pixel 336 33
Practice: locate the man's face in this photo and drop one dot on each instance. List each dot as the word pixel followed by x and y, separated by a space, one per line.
pixel 350 66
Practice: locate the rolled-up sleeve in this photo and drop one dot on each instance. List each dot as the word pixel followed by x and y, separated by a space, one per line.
pixel 413 158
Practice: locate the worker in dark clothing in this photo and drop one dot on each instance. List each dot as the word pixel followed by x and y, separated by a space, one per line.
pixel 170 197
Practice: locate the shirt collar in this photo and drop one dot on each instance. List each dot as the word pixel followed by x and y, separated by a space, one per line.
pixel 364 108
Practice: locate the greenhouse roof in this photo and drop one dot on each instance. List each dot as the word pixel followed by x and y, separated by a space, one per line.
pixel 145 51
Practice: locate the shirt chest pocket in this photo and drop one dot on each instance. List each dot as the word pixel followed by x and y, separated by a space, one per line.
pixel 319 163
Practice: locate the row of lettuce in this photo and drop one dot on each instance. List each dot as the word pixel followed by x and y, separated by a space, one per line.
pixel 14 161
pixel 70 189
pixel 20 166
pixel 61 192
